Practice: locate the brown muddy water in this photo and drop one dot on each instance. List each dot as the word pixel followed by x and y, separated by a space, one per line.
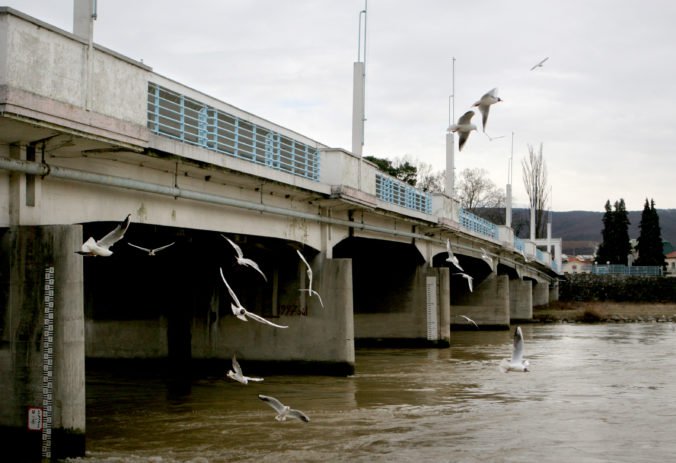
pixel 595 393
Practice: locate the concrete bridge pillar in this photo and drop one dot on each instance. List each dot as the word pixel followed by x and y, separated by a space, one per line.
pixel 554 292
pixel 488 305
pixel 520 300
pixel 417 313
pixel 25 253
pixel 540 294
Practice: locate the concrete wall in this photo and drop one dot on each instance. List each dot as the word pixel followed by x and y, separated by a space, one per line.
pixel 314 334
pixel 25 253
pixel 488 305
pixel 520 299
pixel 540 293
pixel 408 321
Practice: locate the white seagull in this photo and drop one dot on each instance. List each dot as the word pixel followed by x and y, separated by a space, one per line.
pixel 236 373
pixel 470 320
pixel 494 138
pixel 484 105
pixel 283 411
pixel 486 257
pixel 91 247
pixel 151 252
pixel 451 257
pixel 241 260
pixel 309 289
pixel 464 126
pixel 240 312
pixel 539 65
pixel 469 280
pixel 516 363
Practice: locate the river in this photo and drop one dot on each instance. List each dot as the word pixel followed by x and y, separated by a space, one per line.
pixel 595 393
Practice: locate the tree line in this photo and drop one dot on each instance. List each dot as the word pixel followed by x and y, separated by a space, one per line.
pixel 616 248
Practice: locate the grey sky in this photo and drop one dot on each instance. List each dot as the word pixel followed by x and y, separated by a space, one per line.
pixel 602 105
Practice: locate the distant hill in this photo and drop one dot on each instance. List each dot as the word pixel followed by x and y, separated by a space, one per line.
pixel 581 230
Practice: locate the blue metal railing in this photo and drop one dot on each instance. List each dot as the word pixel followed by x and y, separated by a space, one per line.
pixel 624 270
pixel 519 244
pixel 402 194
pixel 182 118
pixel 478 225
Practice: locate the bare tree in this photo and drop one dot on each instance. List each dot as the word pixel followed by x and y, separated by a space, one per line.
pixel 534 171
pixel 429 180
pixel 479 195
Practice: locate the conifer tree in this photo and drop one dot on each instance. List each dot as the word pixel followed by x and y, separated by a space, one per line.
pixel 615 234
pixel 603 254
pixel 649 245
pixel 621 225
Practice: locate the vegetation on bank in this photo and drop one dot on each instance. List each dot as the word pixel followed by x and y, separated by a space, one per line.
pixel 604 312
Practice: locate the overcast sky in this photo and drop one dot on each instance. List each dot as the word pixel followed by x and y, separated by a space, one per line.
pixel 603 105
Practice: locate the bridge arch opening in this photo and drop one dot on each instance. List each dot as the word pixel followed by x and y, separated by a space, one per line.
pixel 380 269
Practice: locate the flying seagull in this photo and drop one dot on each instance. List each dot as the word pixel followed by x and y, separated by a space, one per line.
pixel 151 252
pixel 484 105
pixel 486 257
pixel 309 289
pixel 469 280
pixel 241 260
pixel 494 138
pixel 283 411
pixel 464 126
pixel 237 375
pixel 539 65
pixel 470 320
pixel 91 247
pixel 516 363
pixel 240 312
pixel 451 257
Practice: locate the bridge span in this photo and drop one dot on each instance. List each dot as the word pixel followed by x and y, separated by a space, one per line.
pixel 88 136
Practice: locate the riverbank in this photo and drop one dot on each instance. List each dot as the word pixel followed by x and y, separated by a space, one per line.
pixel 604 312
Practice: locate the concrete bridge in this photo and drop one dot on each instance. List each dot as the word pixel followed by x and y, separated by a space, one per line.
pixel 88 136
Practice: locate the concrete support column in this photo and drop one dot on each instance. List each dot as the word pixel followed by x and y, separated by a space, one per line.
pixel 25 253
pixel 540 294
pixel 554 292
pixel 488 305
pixel 418 313
pixel 520 300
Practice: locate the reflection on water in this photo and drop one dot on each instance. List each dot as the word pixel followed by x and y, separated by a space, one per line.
pixel 595 393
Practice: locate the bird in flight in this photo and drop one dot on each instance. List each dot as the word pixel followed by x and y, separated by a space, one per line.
pixel 91 247
pixel 308 271
pixel 451 257
pixel 539 65
pixel 494 138
pixel 469 280
pixel 151 252
pixel 484 104
pixel 241 260
pixel 470 320
pixel 237 375
pixel 516 363
pixel 464 126
pixel 240 312
pixel 486 257
pixel 283 411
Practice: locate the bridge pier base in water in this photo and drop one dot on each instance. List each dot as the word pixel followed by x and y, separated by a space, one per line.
pixel 488 305
pixel 41 374
pixel 520 299
pixel 418 313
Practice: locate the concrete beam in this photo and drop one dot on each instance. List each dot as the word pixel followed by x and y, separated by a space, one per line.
pixel 520 300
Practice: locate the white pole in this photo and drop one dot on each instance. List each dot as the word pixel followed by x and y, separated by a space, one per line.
pixel 450 165
pixel 508 202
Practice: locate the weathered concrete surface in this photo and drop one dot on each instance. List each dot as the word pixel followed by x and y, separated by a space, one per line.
pixel 26 252
pixel 408 322
pixel 488 305
pixel 540 293
pixel 520 299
